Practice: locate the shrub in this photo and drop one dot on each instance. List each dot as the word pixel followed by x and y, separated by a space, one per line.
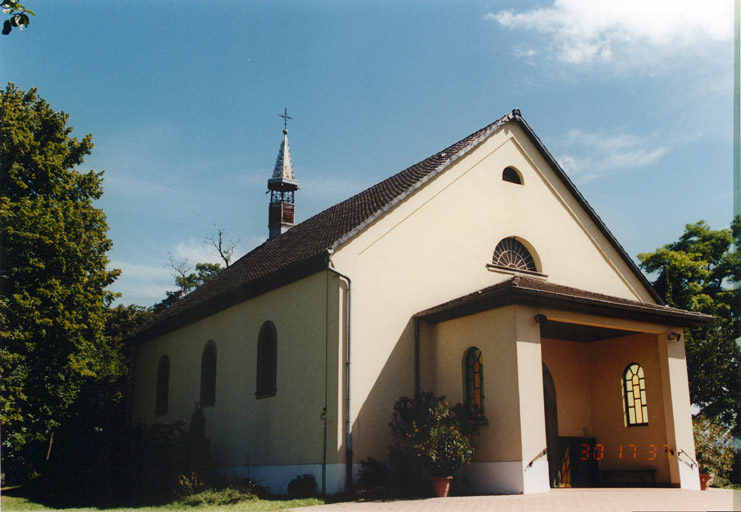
pixel 217 497
pixel 714 447
pixel 431 434
pixel 374 482
pixel 303 486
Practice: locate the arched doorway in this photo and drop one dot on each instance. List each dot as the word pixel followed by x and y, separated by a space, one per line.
pixel 551 426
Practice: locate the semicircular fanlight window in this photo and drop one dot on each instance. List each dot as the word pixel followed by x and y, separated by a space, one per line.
pixel 512 254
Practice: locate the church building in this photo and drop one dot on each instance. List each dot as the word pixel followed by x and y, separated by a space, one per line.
pixel 479 273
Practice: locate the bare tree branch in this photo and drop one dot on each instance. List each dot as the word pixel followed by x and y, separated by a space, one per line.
pixel 225 248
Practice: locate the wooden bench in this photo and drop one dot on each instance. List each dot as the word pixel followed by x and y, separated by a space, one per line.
pixel 642 475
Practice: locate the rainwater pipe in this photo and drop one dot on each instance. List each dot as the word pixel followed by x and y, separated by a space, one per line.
pixel 348 419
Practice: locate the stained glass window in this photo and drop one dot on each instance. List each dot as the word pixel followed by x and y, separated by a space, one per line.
pixel 634 384
pixel 267 360
pixel 475 383
pixel 163 386
pixel 208 375
pixel 511 253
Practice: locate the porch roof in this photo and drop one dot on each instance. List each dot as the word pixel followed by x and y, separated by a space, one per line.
pixel 538 292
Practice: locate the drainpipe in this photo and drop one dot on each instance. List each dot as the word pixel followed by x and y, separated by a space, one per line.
pixel 348 419
pixel 416 357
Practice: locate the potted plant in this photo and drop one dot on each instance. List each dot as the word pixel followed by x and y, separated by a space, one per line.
pixel 435 434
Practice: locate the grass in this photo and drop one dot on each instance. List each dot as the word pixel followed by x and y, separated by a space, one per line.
pixel 20 503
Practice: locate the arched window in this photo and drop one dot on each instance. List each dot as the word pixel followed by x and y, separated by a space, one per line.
pixel 474 383
pixel 512 175
pixel 163 386
pixel 512 253
pixel 208 375
pixel 267 360
pixel 634 388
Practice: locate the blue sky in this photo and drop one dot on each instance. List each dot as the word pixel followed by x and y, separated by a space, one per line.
pixel 633 98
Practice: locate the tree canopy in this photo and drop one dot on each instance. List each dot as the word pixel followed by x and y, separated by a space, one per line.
pixel 698 273
pixel 53 270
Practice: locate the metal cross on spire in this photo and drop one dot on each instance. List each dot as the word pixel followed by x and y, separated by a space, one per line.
pixel 285 117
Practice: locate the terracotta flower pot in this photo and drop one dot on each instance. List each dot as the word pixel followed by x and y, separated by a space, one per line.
pixel 441 484
pixel 705 480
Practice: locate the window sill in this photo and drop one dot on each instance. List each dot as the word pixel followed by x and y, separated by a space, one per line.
pixel 514 271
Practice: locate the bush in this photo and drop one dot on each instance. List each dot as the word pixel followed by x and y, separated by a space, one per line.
pixel 714 447
pixel 303 486
pixel 431 435
pixel 374 482
pixel 217 497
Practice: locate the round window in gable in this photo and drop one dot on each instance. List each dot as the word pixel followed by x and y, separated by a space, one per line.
pixel 513 254
pixel 512 175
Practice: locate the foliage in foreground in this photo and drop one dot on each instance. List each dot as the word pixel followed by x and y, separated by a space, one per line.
pixel 53 275
pixel 697 273
pixel 714 448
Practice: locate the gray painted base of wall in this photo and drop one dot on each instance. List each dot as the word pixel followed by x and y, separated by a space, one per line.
pixel 276 478
pixel 477 478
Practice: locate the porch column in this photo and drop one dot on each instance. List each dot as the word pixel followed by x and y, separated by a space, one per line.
pixel 532 408
pixel 677 414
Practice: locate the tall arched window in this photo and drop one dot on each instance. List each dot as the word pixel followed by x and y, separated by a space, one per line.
pixel 474 382
pixel 634 388
pixel 208 375
pixel 163 386
pixel 267 360
pixel 511 253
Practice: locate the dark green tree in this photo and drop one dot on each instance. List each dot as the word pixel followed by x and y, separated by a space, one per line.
pixel 53 275
pixel 698 273
pixel 187 281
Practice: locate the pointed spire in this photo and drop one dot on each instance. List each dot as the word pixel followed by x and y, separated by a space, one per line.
pixel 283 164
pixel 282 186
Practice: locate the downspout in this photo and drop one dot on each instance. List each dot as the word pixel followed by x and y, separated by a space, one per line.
pixel 348 419
pixel 416 357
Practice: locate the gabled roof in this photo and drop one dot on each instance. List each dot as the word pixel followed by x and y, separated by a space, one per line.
pixel 538 292
pixel 305 248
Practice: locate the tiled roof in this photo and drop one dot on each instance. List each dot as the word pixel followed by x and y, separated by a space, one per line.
pixel 305 248
pixel 316 236
pixel 529 290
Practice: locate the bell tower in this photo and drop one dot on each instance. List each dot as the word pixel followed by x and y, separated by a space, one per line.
pixel 281 186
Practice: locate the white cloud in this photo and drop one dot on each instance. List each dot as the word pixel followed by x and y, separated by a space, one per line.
pixel 628 32
pixel 587 156
pixel 141 284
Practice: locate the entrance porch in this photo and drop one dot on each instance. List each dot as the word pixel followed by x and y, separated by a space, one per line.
pixel 557 408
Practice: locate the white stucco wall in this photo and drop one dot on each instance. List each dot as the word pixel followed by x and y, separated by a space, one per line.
pixel 435 245
pixel 247 433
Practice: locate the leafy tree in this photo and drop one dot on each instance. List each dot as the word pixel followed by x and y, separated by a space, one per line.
pixel 697 273
pixel 17 16
pixel 53 274
pixel 187 281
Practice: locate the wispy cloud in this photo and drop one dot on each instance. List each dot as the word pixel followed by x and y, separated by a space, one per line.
pixel 587 156
pixel 626 32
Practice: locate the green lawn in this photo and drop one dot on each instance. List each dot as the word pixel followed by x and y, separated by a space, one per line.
pixel 13 503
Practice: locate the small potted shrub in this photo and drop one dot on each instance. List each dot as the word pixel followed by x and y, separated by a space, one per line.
pixel 435 434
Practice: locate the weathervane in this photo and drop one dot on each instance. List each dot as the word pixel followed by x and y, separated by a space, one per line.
pixel 285 117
